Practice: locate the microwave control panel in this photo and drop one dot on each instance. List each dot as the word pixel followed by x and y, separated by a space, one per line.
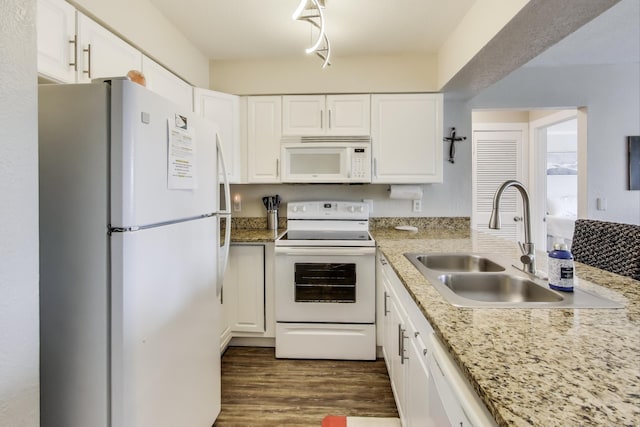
pixel 360 163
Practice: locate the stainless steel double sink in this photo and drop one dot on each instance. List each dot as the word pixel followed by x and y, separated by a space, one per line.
pixel 487 281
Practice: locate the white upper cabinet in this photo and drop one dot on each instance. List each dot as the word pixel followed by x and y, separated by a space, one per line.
pixel 102 53
pixel 326 114
pixel 165 83
pixel 56 28
pixel 264 131
pixel 224 110
pixel 406 136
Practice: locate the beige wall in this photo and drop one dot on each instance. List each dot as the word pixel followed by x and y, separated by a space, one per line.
pixel 404 73
pixel 500 116
pixel 142 25
pixel 511 116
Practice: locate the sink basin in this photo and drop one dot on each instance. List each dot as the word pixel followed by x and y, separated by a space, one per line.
pixel 489 281
pixel 498 288
pixel 458 262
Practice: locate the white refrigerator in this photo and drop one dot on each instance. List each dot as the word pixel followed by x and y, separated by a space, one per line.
pixel 131 262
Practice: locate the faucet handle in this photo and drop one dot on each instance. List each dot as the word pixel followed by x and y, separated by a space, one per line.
pixel 522 248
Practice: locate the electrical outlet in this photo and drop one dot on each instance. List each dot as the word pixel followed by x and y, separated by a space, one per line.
pixel 601 203
pixel 237 203
pixel 417 205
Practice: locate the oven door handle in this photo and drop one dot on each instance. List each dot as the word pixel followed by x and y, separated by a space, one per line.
pixel 320 251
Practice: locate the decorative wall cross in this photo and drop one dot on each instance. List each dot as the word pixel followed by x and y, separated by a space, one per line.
pixel 452 138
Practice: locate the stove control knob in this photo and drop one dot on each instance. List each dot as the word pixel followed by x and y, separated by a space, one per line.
pixel 351 209
pixel 360 209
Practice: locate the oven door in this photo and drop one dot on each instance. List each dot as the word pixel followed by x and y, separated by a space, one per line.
pixel 325 284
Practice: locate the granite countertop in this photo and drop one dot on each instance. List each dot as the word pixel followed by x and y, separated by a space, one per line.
pixel 540 367
pixel 255 235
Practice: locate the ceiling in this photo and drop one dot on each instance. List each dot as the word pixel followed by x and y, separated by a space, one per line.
pixel 544 33
pixel 254 29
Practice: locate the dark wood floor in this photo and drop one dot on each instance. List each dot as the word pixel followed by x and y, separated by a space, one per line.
pixel 260 390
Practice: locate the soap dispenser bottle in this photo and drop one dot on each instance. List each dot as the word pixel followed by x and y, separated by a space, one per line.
pixel 561 268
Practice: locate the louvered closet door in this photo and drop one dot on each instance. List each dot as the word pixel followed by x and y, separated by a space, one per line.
pixel 497 157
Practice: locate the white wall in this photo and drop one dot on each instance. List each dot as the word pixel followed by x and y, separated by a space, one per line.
pixel 610 95
pixel 142 25
pixel 19 358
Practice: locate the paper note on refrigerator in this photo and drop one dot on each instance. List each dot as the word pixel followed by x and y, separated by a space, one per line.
pixel 181 152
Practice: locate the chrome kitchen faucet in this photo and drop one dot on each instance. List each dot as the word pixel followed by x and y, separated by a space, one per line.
pixel 527 248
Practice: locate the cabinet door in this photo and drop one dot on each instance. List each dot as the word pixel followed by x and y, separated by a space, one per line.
pixel 303 115
pixel 406 133
pixel 398 354
pixel 102 53
pixel 348 114
pixel 244 289
pixel 224 110
pixel 56 28
pixel 165 83
pixel 420 387
pixel 264 122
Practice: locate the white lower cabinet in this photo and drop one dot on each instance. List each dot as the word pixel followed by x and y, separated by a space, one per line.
pixel 248 294
pixel 428 388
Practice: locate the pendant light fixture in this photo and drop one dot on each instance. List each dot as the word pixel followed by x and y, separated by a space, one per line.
pixel 311 11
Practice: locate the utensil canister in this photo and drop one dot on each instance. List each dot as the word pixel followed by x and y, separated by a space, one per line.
pixel 272 219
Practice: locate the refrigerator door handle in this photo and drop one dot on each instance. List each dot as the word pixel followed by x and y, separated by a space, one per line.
pixel 223 256
pixel 227 188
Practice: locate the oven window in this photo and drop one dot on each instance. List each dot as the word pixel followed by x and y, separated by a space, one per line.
pixel 325 282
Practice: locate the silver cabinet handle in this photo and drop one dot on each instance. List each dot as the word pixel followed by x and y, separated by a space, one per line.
pixel 375 167
pixel 74 42
pixel 321 120
pixel 402 351
pixel 386 309
pixel 277 168
pixel 329 119
pixel 88 52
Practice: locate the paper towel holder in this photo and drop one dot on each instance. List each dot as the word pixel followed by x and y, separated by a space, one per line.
pixel 452 138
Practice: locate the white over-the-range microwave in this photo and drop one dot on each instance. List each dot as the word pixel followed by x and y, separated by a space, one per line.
pixel 326 159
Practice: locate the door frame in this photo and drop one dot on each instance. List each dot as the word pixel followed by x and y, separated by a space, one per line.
pixel 538 169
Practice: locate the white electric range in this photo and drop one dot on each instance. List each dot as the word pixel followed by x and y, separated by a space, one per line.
pixel 325 282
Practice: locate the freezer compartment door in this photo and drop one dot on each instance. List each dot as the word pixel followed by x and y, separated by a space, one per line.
pixel 165 364
pixel 163 159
